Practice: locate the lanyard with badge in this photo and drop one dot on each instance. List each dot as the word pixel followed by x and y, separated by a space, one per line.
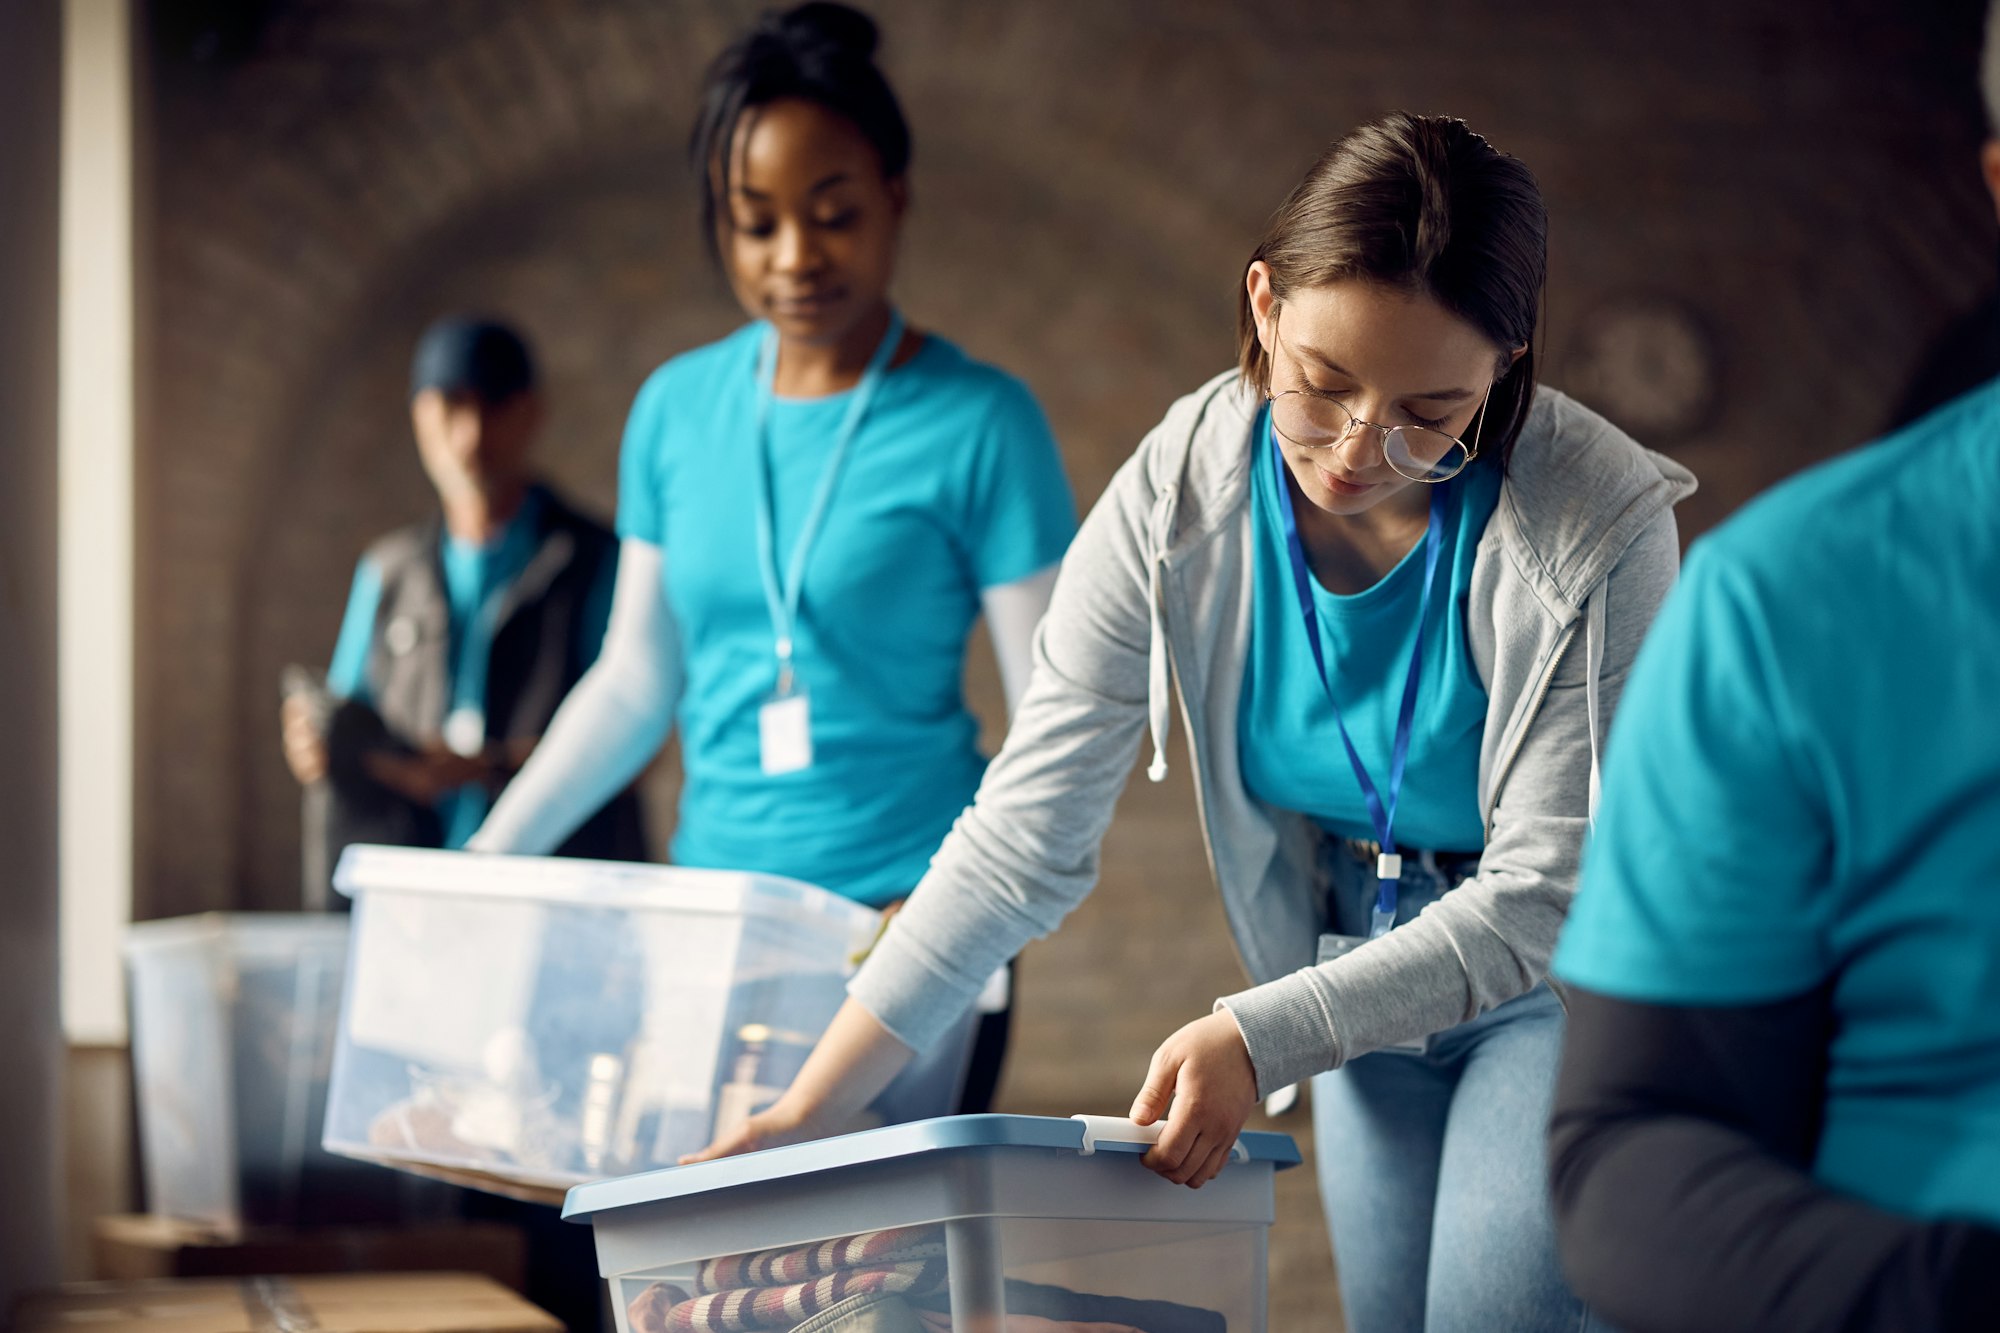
pixel 465 725
pixel 1381 813
pixel 784 722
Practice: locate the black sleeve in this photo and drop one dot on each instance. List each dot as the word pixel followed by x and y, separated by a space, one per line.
pixel 1679 1149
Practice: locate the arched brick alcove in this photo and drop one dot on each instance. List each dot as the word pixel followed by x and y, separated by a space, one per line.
pixel 1088 178
pixel 543 263
pixel 302 250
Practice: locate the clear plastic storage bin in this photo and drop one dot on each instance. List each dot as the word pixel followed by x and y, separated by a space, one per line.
pixel 529 1023
pixel 233 1021
pixel 972 1223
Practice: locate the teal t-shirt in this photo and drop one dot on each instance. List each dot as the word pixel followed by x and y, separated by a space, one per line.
pixel 476 578
pixel 1292 756
pixel 1802 788
pixel 952 485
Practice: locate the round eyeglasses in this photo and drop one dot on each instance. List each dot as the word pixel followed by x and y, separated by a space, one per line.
pixel 1420 453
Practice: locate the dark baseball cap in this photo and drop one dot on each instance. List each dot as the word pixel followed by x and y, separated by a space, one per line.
pixel 468 354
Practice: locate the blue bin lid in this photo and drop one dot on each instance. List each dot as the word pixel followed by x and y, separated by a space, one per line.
pixel 874 1145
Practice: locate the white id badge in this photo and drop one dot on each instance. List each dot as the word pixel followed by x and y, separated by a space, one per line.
pixel 1334 946
pixel 784 734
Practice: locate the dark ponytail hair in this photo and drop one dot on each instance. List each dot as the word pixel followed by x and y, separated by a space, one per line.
pixel 820 52
pixel 1423 204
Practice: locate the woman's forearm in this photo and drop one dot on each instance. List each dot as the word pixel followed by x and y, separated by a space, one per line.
pixel 609 727
pixel 854 1061
pixel 1013 612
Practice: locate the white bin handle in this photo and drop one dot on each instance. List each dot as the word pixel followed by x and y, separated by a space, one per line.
pixel 1117 1129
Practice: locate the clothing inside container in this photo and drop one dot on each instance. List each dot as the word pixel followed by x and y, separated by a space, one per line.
pixel 891 1281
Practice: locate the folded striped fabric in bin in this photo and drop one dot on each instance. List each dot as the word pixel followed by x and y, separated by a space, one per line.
pixel 900 1248
pixel 879 1282
pixel 781 1289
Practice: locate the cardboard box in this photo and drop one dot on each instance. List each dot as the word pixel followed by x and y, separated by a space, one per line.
pixel 128 1247
pixel 348 1303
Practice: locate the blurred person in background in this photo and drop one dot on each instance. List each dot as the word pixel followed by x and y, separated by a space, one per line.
pixel 814 513
pixel 1780 1099
pixel 462 635
pixel 1398 587
pixel 462 632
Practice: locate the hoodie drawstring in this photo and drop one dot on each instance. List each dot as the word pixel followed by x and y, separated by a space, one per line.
pixel 1157 702
pixel 1593 664
pixel 1156 686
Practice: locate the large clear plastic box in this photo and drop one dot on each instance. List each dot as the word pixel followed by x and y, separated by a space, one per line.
pixel 524 1024
pixel 971 1223
pixel 233 1021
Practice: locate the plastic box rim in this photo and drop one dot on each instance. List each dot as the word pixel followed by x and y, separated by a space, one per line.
pixel 255 929
pixel 576 880
pixel 943 1134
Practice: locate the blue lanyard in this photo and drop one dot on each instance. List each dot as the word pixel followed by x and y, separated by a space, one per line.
pixel 782 600
pixel 1388 866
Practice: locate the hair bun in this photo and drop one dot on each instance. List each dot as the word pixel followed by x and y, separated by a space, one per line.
pixel 829 23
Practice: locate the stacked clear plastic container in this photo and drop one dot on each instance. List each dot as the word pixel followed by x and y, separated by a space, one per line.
pixel 538 1022
pixel 972 1223
pixel 233 1021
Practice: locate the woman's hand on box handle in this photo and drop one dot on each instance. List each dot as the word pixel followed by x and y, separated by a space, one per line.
pixel 1204 1073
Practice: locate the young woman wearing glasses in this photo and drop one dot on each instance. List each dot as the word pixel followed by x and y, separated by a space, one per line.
pixel 1398 588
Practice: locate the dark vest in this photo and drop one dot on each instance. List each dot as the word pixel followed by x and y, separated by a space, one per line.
pixel 536 656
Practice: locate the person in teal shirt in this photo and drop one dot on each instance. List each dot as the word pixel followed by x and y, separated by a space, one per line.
pixel 461 632
pixel 814 513
pixel 477 578
pixel 1394 832
pixel 1784 957
pixel 953 487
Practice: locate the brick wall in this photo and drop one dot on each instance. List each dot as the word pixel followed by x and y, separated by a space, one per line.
pixel 1088 180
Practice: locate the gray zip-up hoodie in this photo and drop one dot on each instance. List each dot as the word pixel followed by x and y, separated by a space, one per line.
pixel 1159 584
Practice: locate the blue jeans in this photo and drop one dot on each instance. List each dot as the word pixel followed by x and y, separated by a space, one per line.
pixel 1433 1166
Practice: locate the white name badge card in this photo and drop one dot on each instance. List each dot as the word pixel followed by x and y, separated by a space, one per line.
pixel 784 734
